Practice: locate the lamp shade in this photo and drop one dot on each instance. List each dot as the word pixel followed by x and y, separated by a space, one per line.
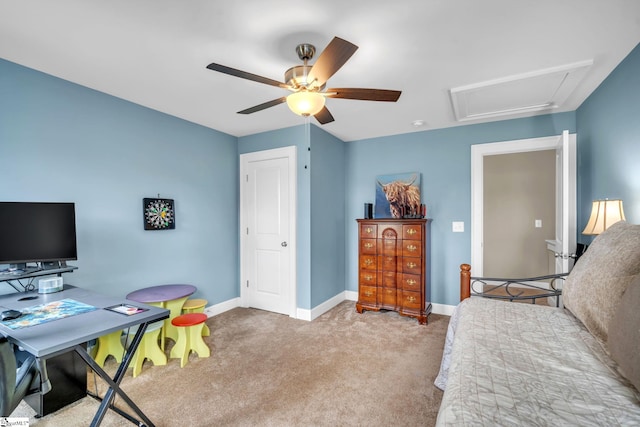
pixel 604 213
pixel 305 103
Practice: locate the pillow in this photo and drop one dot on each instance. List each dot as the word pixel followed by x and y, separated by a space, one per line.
pixel 593 289
pixel 624 334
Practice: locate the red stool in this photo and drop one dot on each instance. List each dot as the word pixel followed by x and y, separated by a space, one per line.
pixel 196 305
pixel 189 328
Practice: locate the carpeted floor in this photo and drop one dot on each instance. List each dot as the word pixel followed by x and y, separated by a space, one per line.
pixel 266 369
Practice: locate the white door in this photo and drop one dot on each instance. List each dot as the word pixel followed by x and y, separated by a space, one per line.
pixel 267 225
pixel 565 243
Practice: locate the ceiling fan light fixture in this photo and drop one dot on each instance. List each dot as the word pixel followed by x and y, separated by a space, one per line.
pixel 305 103
pixel 307 82
pixel 296 77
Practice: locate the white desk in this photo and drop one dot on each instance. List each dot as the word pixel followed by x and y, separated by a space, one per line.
pixel 58 336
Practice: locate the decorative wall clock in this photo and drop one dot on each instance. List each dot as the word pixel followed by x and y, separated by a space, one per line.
pixel 159 214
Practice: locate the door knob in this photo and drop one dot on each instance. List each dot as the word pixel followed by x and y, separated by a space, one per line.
pixel 565 256
pixel 283 244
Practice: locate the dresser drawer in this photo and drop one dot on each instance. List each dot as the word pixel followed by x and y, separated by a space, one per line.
pixel 368 231
pixel 388 263
pixel 368 278
pixel 368 246
pixel 411 282
pixel 388 296
pixel 411 301
pixel 390 231
pixel 412 265
pixel 389 279
pixel 368 262
pixel 412 248
pixel 412 231
pixel 390 247
pixel 368 294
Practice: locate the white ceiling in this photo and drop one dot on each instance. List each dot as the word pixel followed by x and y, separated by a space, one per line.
pixel 155 53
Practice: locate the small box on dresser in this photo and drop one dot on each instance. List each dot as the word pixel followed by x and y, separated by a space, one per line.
pixel 393 258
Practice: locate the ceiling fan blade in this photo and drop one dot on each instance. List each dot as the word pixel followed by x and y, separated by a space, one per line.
pixel 324 116
pixel 334 56
pixel 264 106
pixel 244 75
pixel 364 94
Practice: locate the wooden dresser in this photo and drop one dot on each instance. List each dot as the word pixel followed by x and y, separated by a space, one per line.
pixel 393 271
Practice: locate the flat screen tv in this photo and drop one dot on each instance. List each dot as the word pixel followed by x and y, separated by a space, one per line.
pixel 41 232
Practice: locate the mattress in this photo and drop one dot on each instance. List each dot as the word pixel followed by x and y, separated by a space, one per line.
pixel 524 364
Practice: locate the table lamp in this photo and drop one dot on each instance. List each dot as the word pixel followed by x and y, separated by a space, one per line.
pixel 604 213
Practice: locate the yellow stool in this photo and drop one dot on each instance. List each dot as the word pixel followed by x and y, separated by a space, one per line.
pixel 148 348
pixel 196 305
pixel 189 328
pixel 175 309
pixel 109 345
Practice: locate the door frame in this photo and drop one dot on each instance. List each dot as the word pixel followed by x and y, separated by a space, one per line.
pixel 478 152
pixel 289 152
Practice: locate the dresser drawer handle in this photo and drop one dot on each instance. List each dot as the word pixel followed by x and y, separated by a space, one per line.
pixel 411 231
pixel 412 265
pixel 411 282
pixel 368 245
pixel 411 299
pixel 368 293
pixel 368 261
pixel 368 230
pixel 390 291
pixel 412 248
pixel 368 277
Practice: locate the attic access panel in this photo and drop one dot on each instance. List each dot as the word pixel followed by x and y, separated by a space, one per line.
pixel 522 93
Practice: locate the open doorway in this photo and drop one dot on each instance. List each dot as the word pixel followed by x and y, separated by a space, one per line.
pixel 556 245
pixel 519 213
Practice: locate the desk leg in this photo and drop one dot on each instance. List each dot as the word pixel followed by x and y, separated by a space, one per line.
pixel 114 384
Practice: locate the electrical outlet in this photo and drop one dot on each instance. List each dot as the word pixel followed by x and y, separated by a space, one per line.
pixel 457 226
pixel 538 223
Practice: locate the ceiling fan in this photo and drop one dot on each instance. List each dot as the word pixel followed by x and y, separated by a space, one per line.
pixel 308 82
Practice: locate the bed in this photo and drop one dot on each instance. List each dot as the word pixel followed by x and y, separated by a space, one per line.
pixel 527 364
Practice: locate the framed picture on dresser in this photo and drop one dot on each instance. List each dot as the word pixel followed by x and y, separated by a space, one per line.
pixel 397 195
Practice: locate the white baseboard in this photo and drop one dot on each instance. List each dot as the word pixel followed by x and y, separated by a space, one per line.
pixel 303 314
pixel 327 305
pixel 214 310
pixel 444 309
pixel 319 310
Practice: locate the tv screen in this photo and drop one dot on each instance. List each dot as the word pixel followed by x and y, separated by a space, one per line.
pixel 37 232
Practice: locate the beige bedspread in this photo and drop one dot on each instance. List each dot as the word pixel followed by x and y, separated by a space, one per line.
pixel 523 364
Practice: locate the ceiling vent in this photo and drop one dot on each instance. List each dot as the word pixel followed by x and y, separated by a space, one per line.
pixel 522 93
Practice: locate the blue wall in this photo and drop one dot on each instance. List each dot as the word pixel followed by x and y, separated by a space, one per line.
pixel 327 216
pixel 443 157
pixel 609 143
pixel 64 142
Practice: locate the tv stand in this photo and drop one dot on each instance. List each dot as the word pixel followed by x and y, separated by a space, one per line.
pixel 29 272
pixel 53 265
pixel 17 267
